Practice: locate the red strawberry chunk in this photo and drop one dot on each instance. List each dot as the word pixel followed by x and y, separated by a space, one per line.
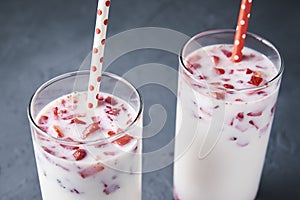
pixel 193 66
pixel 58 131
pixel 123 140
pixel 253 124
pixel 111 101
pixel 43 119
pixel 248 71
pixel 228 86
pixel 90 129
pixel 111 188
pixel 77 121
pixel 220 71
pixel 254 114
pixel 48 150
pixel 73 116
pixel 220 96
pixel 240 116
pixel 91 170
pixel 228 54
pixel 113 111
pixel 55 112
pixel 194 58
pixel 273 108
pixel 111 133
pixel 255 80
pixel 215 60
pixel 79 154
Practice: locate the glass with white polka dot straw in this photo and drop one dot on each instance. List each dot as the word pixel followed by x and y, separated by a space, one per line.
pixel 98 52
pixel 241 30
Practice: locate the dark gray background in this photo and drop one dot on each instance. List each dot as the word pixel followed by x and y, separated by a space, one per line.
pixel 41 39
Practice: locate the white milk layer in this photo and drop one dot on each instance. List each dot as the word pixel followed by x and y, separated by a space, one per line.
pixel 232 169
pixel 92 161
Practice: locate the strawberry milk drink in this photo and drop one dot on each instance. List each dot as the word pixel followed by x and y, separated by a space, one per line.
pixel 86 154
pixel 225 111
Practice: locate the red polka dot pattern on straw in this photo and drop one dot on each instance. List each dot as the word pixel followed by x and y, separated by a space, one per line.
pixel 241 30
pixel 98 52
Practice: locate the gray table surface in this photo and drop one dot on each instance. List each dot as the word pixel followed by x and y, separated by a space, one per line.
pixel 42 39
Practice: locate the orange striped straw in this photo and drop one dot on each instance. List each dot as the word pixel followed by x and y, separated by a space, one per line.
pixel 241 30
pixel 98 52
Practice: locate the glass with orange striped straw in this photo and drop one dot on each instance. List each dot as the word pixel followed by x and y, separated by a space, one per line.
pixel 225 109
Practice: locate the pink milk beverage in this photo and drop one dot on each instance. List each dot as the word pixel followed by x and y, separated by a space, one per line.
pixel 224 116
pixel 85 154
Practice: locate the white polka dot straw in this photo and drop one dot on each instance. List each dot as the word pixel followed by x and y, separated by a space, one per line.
pixel 98 52
pixel 241 30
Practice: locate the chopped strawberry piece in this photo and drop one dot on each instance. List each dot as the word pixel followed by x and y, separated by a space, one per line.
pixel 204 111
pixel 215 60
pixel 111 101
pixel 228 54
pixel 231 122
pixel 73 116
pixel 111 188
pixel 176 196
pixel 123 107
pixel 43 119
pixel 77 121
pixel 253 124
pixel 231 71
pixel 228 86
pixel 190 70
pixel 254 114
pixel 63 102
pixel 241 100
pixel 91 170
pixel 202 77
pixel 194 58
pixel 55 112
pixel 79 154
pixel 193 66
pixel 111 133
pixel 44 128
pixel 123 140
pixel 113 111
pixel 260 67
pixel 220 96
pixel 220 71
pixel 273 108
pixel 226 79
pixel 248 71
pixel 48 150
pixel 240 116
pixel 90 129
pixel 110 118
pixel 58 131
pixel 255 80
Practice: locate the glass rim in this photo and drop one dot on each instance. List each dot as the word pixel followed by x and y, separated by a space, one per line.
pixel 82 142
pixel 253 35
